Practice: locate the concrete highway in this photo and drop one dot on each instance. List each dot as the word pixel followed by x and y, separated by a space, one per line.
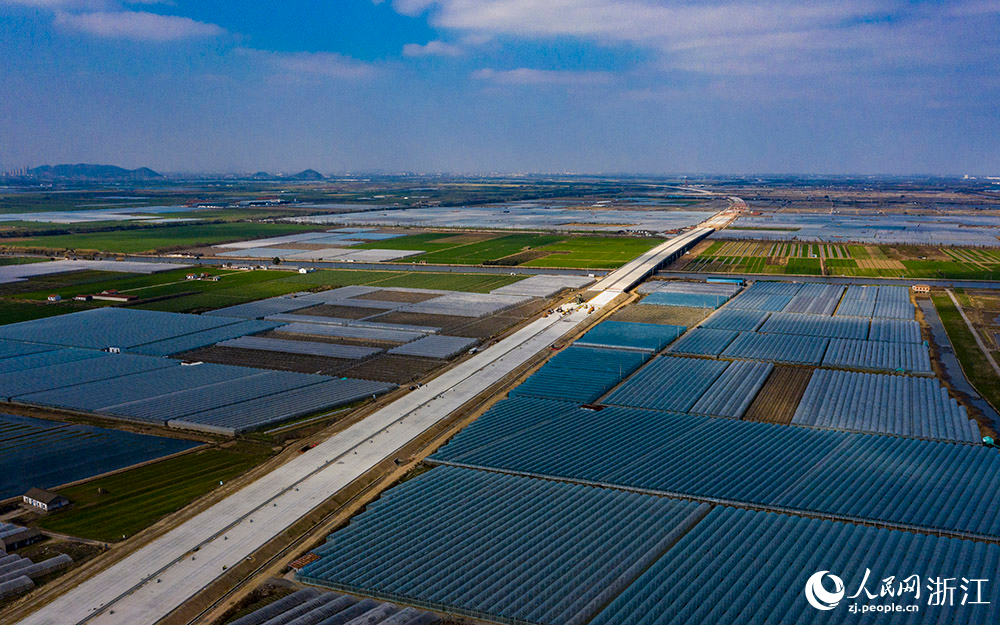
pixel 157 578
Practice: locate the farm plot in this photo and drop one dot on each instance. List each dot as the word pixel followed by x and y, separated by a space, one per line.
pixel 878 355
pixel 375 334
pixel 163 391
pixel 574 545
pixel 160 238
pixel 733 391
pixel 773 466
pixel 703 342
pixel 791 348
pixel 668 383
pixel 592 252
pixel 65 368
pixel 894 331
pixel 335 311
pixel 885 404
pixel 858 301
pixel 435 346
pixel 888 260
pixel 110 327
pixel 312 606
pixel 816 299
pixel 736 319
pixel 731 543
pixel 281 361
pixel 649 337
pixel 779 396
pixel 114 507
pixel 665 315
pixel 691 300
pixel 391 368
pixel 581 374
pixel 489 251
pixel 309 348
pixel 815 325
pixel 46 454
pixel 466 304
pixel 543 285
pixel 893 302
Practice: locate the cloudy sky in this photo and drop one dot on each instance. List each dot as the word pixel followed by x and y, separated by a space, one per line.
pixel 643 86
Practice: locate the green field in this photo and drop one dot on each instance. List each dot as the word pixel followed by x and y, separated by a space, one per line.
pixel 152 239
pixel 20 260
pixel 425 241
pixel 867 261
pixel 13 311
pixel 135 499
pixel 977 369
pixel 527 249
pixel 593 252
pixel 27 300
pixel 488 251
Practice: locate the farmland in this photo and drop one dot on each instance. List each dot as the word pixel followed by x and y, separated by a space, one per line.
pixel 120 505
pixel 977 369
pixel 592 252
pixel 46 453
pixel 889 261
pixel 153 238
pixel 528 250
pixel 779 396
pixel 171 292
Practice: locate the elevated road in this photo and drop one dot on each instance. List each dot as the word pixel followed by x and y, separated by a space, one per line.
pixel 150 583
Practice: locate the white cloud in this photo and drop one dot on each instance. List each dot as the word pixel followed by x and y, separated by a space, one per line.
pixel 93 5
pixel 137 26
pixel 432 48
pixel 529 76
pixel 742 37
pixel 316 64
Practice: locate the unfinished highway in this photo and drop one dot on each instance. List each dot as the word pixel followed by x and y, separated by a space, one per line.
pixel 157 578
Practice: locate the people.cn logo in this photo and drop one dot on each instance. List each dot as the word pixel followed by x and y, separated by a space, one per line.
pixel 818 596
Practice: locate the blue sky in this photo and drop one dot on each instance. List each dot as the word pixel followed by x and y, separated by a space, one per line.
pixel 631 86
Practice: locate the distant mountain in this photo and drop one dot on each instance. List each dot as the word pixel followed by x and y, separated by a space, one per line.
pixel 309 174
pixel 84 171
pixel 261 175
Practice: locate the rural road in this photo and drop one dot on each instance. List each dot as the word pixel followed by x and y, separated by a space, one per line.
pixel 528 271
pixel 967 284
pixel 950 361
pixel 151 582
pixel 979 340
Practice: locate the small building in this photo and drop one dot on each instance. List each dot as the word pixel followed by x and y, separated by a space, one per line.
pixel 112 295
pixel 306 270
pixel 921 288
pixel 191 276
pixel 15 536
pixel 45 500
pixel 83 298
pixel 55 297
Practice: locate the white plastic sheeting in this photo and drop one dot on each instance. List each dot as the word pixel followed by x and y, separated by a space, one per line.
pixel 886 404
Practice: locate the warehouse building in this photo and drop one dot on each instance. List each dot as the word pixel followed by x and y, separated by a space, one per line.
pixel 45 500
pixel 15 536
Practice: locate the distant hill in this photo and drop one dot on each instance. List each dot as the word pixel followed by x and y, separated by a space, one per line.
pixel 261 175
pixel 309 174
pixel 84 171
